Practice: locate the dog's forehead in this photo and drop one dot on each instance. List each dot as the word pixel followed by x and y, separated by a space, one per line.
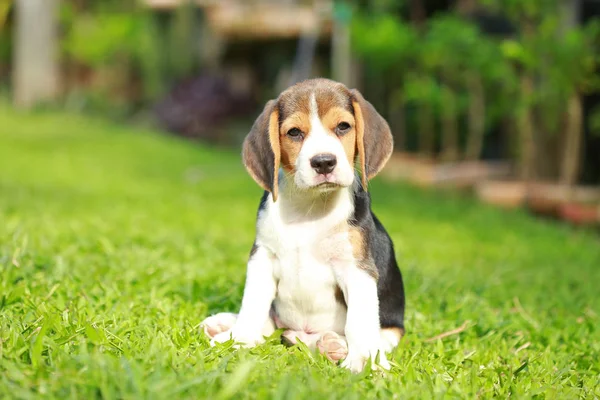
pixel 327 94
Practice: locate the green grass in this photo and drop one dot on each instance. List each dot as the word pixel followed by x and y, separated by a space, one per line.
pixel 115 243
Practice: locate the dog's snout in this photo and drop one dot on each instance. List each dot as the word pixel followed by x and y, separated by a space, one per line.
pixel 323 163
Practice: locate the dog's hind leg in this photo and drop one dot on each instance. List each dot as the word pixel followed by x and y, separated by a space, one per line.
pixel 390 337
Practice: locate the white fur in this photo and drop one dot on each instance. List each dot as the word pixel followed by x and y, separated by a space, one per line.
pixel 389 339
pixel 319 141
pixel 362 329
pixel 305 247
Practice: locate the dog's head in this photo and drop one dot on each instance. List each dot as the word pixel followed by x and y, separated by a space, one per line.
pixel 315 130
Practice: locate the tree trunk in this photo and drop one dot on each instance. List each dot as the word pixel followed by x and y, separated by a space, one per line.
pixel 476 117
pixel 427 130
pixel 548 120
pixel 526 129
pixel 417 13
pixel 573 139
pixel 465 7
pixel 570 11
pixel 183 62
pixel 397 119
pixel 4 9
pixel 450 151
pixel 35 68
pixel 307 47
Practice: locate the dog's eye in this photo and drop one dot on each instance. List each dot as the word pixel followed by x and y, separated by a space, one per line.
pixel 294 133
pixel 342 128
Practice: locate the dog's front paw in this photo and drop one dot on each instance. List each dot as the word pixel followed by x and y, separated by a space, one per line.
pixel 356 362
pixel 239 338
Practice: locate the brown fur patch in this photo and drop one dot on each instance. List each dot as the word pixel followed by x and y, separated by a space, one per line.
pixel 373 137
pixel 294 100
pixel 360 143
pixel 349 143
pixel 339 296
pixel 276 146
pixel 329 98
pixel 332 119
pixel 360 253
pixel 261 151
pixel 298 120
pixel 328 94
pixel 398 332
pixel 369 267
pixel 290 148
pixel 358 243
pixel 289 153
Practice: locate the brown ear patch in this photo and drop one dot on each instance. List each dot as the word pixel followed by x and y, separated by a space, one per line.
pixel 276 148
pixel 261 149
pixel 374 140
pixel 360 143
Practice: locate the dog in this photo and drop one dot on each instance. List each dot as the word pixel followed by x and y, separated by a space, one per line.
pixel 322 266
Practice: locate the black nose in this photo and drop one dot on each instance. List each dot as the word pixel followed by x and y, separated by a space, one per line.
pixel 323 163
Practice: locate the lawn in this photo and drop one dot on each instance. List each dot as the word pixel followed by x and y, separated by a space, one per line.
pixel 116 242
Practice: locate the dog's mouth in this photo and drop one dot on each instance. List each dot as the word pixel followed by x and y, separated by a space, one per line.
pixel 322 183
pixel 327 186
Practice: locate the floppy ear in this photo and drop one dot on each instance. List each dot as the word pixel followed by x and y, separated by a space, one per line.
pixel 374 140
pixel 261 152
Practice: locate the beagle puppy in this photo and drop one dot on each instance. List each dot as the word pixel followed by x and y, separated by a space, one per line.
pixel 322 267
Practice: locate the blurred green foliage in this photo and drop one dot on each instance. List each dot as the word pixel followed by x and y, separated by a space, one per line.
pixel 530 11
pixel 385 41
pixel 422 88
pixel 438 63
pixel 146 50
pixel 182 47
pixel 111 34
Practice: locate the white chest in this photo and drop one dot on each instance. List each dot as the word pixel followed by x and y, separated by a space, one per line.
pixel 307 254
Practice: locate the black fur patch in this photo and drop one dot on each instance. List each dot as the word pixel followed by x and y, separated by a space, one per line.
pixel 390 288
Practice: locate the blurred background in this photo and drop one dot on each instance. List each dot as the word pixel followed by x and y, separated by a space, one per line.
pixel 499 97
